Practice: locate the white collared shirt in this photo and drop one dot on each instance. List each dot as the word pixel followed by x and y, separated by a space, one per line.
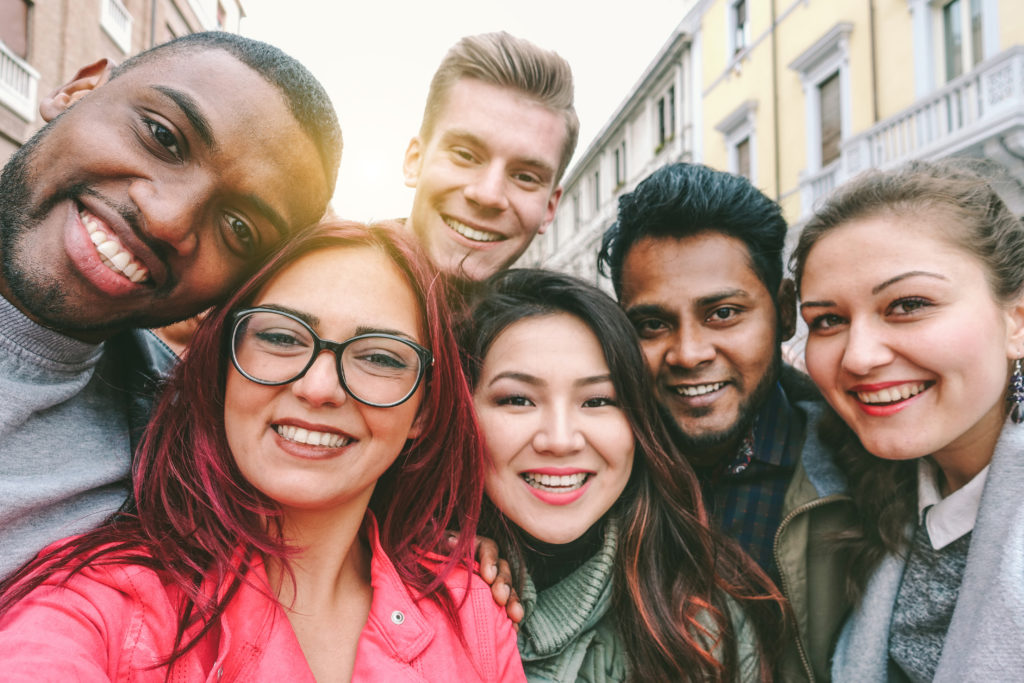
pixel 949 518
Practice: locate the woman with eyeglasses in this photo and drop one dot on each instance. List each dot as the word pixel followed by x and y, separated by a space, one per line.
pixel 291 498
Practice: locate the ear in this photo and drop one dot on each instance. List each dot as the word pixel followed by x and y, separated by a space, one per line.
pixel 418 425
pixel 1015 329
pixel 413 162
pixel 786 302
pixel 84 82
pixel 549 214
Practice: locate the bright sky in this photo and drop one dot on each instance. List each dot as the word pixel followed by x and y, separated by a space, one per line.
pixel 376 59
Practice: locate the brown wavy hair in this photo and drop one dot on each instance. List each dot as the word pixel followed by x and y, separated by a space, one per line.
pixel 885 491
pixel 673 573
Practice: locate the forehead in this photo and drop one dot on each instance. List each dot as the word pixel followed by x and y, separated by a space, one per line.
pixel 673 272
pixel 256 146
pixel 497 115
pixel 377 294
pixel 553 344
pixel 878 247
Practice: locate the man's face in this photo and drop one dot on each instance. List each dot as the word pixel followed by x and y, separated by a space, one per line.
pixel 153 195
pixel 485 180
pixel 707 327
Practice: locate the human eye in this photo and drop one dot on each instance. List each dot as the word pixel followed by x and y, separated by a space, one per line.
pixel 825 323
pixel 907 306
pixel 279 339
pixel 600 402
pixel 164 137
pixel 463 155
pixel 383 359
pixel 647 328
pixel 514 400
pixel 723 314
pixel 241 238
pixel 527 178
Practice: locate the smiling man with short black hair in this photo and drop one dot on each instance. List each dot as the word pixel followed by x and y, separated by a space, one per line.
pixel 153 190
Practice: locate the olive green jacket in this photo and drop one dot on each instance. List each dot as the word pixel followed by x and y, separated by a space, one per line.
pixel 816 506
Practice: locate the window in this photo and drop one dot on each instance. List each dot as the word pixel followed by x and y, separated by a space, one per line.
pixel 620 164
pixel 116 21
pixel 739 27
pixel 14 26
pixel 740 141
pixel 963 49
pixel 666 118
pixel 597 191
pixel 823 70
pixel 743 158
pixel 830 117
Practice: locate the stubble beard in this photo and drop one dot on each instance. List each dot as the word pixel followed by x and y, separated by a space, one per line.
pixel 30 288
pixel 732 435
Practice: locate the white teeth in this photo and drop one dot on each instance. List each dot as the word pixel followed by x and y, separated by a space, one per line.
pixel 698 389
pixel 112 252
pixel 891 394
pixel 554 482
pixel 311 438
pixel 472 233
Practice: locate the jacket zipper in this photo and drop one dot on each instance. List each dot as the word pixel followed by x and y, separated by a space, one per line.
pixel 816 503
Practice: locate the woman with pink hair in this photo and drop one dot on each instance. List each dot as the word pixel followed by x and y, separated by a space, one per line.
pixel 291 498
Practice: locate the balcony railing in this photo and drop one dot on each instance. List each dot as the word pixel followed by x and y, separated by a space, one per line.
pixel 116 20
pixel 966 111
pixel 18 84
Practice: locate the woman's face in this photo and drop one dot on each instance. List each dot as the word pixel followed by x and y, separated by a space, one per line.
pixel 560 448
pixel 308 445
pixel 906 340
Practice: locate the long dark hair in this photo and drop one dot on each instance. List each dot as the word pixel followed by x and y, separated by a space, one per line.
pixel 198 522
pixel 672 572
pixel 977 221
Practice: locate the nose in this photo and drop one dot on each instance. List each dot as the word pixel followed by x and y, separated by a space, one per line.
pixel 559 434
pixel 487 188
pixel 321 385
pixel 690 348
pixel 172 212
pixel 866 348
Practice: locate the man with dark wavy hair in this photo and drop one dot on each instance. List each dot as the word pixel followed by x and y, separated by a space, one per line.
pixel 154 188
pixel 695 259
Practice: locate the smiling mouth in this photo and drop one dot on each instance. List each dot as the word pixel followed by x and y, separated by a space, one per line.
pixel 110 250
pixel 311 438
pixel 692 390
pixel 555 483
pixel 472 233
pixel 891 395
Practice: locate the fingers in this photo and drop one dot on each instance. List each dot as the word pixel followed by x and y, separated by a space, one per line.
pixel 487 557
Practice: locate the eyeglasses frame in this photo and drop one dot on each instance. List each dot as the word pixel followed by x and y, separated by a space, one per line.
pixel 337 348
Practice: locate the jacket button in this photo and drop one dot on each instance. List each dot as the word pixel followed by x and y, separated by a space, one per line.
pixel 220 673
pixel 397 617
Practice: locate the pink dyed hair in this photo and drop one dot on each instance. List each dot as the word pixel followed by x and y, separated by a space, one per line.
pixel 193 510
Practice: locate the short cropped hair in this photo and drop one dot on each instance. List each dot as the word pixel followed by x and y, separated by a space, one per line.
pixel 503 60
pixel 307 100
pixel 681 200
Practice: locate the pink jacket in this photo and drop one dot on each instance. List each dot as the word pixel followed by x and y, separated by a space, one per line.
pixel 112 623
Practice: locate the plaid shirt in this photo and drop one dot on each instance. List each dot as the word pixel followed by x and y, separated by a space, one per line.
pixel 745 496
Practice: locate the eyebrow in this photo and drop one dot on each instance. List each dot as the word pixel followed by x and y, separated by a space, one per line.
pixel 709 299
pixel 193 112
pixel 648 309
pixel 526 378
pixel 457 134
pixel 314 322
pixel 903 276
pixel 879 287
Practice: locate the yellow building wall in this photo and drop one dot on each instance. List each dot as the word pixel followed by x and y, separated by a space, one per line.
pixel 1011 23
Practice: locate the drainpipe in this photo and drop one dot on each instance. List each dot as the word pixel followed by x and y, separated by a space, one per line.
pixel 874 61
pixel 775 104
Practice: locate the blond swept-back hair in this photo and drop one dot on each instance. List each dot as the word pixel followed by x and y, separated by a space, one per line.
pixel 506 61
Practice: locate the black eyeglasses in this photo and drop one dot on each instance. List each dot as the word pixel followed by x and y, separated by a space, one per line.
pixel 272 347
